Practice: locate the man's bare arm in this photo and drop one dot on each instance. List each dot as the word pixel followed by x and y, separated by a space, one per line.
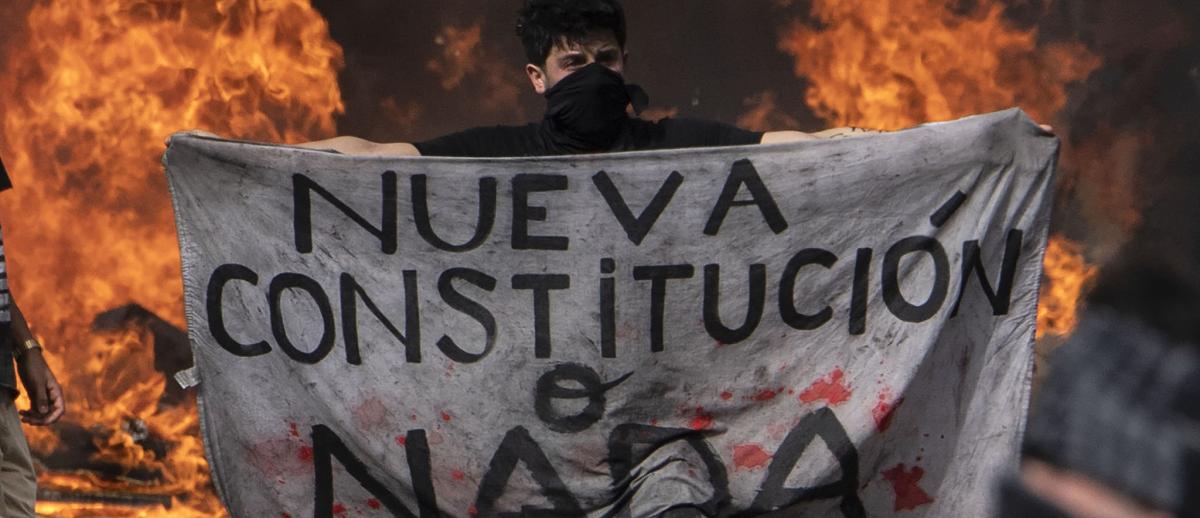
pixel 46 400
pixel 772 137
pixel 362 147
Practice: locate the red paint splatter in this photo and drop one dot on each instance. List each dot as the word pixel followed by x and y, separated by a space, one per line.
pixel 721 344
pixel 727 395
pixel 373 503
pixel 446 416
pixel 458 475
pixel 776 430
pixel 285 515
pixel 305 454
pixel 829 388
pixel 702 419
pixel 654 422
pixel 277 458
pixel 765 395
pixel 472 510
pixel 884 410
pixel 338 508
pixel 371 414
pixel 904 483
pixel 412 417
pixel 750 456
pixel 293 430
pixel 401 440
pixel 791 391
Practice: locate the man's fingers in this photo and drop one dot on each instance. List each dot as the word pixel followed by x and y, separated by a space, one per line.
pixel 31 417
pixel 37 400
pixel 58 403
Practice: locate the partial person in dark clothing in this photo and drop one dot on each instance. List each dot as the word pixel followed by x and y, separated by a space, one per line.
pixel 576 52
pixel 18 482
pixel 1115 431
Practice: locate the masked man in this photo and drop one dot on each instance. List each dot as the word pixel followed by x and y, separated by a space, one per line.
pixel 576 53
pixel 18 482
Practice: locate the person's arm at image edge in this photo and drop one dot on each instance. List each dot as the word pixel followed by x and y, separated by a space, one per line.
pixel 774 137
pixel 361 147
pixel 45 395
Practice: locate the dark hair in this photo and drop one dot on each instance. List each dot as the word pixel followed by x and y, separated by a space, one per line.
pixel 541 24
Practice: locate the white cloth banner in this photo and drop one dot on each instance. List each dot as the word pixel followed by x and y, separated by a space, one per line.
pixel 827 328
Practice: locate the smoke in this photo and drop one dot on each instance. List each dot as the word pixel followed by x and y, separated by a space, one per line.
pixel 1130 116
pixel 1133 152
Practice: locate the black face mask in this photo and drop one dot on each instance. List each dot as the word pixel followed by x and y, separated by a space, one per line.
pixel 586 110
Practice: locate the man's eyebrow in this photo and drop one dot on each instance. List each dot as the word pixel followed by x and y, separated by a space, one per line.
pixel 570 55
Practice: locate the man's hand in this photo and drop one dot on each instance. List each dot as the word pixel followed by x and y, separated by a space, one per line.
pixel 45 395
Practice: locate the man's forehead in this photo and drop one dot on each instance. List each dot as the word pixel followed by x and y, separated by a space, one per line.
pixel 590 41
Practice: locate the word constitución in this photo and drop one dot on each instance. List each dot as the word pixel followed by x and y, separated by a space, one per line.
pixel 743 176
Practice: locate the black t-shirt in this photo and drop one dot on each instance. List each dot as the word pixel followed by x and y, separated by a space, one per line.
pixel 636 135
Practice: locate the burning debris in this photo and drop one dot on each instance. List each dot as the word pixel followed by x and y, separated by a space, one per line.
pixel 122 460
pixel 88 93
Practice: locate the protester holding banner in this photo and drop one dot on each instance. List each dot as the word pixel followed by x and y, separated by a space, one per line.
pixel 576 53
pixel 18 482
pixel 829 328
pixel 818 329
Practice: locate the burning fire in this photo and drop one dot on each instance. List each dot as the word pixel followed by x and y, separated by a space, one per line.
pixel 87 96
pixel 763 115
pixel 1067 277
pixel 891 64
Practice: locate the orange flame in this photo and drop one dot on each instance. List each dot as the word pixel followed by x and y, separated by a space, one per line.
pixel 1067 277
pixel 86 99
pixel 762 114
pixel 894 63
pixel 891 64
